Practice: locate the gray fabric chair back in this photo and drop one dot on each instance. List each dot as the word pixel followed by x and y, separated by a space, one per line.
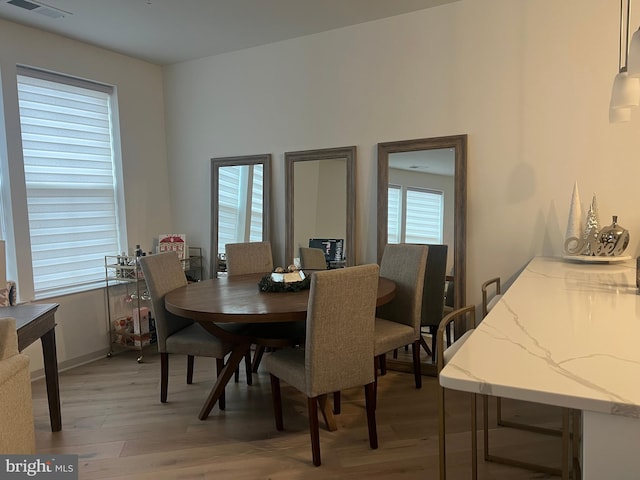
pixel 252 257
pixel 339 345
pixel 313 258
pixel 434 286
pixel 405 264
pixel 163 273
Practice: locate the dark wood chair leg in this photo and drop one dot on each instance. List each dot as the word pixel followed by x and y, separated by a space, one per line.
pixel 164 376
pixel 336 403
pixel 383 364
pixel 190 369
pixel 314 430
pixel 376 362
pixel 369 395
pixel 247 363
pixel 277 402
pixel 257 357
pixel 395 353
pixel 417 369
pixel 236 375
pixel 432 331
pixel 219 366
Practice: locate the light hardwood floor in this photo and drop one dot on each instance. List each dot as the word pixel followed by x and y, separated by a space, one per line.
pixel 113 419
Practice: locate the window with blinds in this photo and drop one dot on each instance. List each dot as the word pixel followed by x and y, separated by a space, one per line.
pixel 70 178
pixel 415 215
pixel 394 215
pixel 239 204
pixel 423 217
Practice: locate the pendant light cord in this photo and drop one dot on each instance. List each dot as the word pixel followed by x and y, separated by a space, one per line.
pixel 622 65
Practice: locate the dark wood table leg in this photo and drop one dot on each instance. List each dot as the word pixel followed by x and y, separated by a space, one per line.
pixel 237 355
pixel 48 341
pixel 327 413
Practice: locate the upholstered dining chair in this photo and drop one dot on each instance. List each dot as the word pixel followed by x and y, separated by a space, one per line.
pixel 398 322
pixel 433 297
pixel 245 258
pixel 313 258
pixel 444 355
pixel 249 257
pixel 176 335
pixel 257 257
pixel 338 347
pixel 491 295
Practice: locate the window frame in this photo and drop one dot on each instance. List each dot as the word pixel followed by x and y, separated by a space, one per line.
pixel 15 215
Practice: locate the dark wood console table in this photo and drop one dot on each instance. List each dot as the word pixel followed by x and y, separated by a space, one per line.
pixel 37 321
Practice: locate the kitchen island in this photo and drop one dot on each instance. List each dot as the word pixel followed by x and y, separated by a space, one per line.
pixel 566 333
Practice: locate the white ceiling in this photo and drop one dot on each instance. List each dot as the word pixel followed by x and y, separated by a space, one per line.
pixel 439 161
pixel 171 31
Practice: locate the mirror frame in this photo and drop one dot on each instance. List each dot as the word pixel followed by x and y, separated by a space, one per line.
pixel 290 158
pixel 459 143
pixel 216 164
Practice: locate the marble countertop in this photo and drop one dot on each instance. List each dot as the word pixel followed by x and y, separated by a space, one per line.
pixel 565 334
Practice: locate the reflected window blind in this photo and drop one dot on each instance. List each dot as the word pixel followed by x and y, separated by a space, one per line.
pixel 236 207
pixel 70 182
pixel 228 205
pixel 424 216
pixel 394 214
pixel 256 204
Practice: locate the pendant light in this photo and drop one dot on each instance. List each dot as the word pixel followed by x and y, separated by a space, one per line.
pixel 626 89
pixel 633 59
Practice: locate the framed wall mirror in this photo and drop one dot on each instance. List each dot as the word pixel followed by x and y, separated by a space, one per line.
pixel 240 198
pixel 421 166
pixel 320 201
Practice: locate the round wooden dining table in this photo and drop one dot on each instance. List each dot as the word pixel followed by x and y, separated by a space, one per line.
pixel 235 310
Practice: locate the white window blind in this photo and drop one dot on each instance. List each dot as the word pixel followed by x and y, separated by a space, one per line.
pixel 394 215
pixel 239 204
pixel 424 216
pixel 415 215
pixel 70 180
pixel 256 205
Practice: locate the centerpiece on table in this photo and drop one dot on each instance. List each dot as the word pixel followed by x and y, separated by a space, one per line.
pixel 291 279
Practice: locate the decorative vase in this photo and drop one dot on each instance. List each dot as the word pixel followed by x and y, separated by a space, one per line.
pixel 612 240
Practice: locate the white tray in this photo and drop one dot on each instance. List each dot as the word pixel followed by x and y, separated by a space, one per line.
pixel 590 259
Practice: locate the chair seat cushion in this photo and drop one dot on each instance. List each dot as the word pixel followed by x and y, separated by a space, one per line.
pixel 195 340
pixel 288 365
pixel 391 335
pixel 451 351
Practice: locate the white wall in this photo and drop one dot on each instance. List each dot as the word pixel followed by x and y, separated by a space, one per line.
pixel 82 331
pixel 528 80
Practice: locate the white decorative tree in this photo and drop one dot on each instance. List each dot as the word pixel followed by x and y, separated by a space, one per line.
pixel 575 226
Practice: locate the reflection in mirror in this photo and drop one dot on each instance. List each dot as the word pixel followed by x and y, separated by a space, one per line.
pixel 320 201
pixel 442 186
pixel 239 204
pixel 421 198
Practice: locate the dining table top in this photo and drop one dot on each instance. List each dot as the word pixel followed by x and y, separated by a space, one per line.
pixel 238 299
